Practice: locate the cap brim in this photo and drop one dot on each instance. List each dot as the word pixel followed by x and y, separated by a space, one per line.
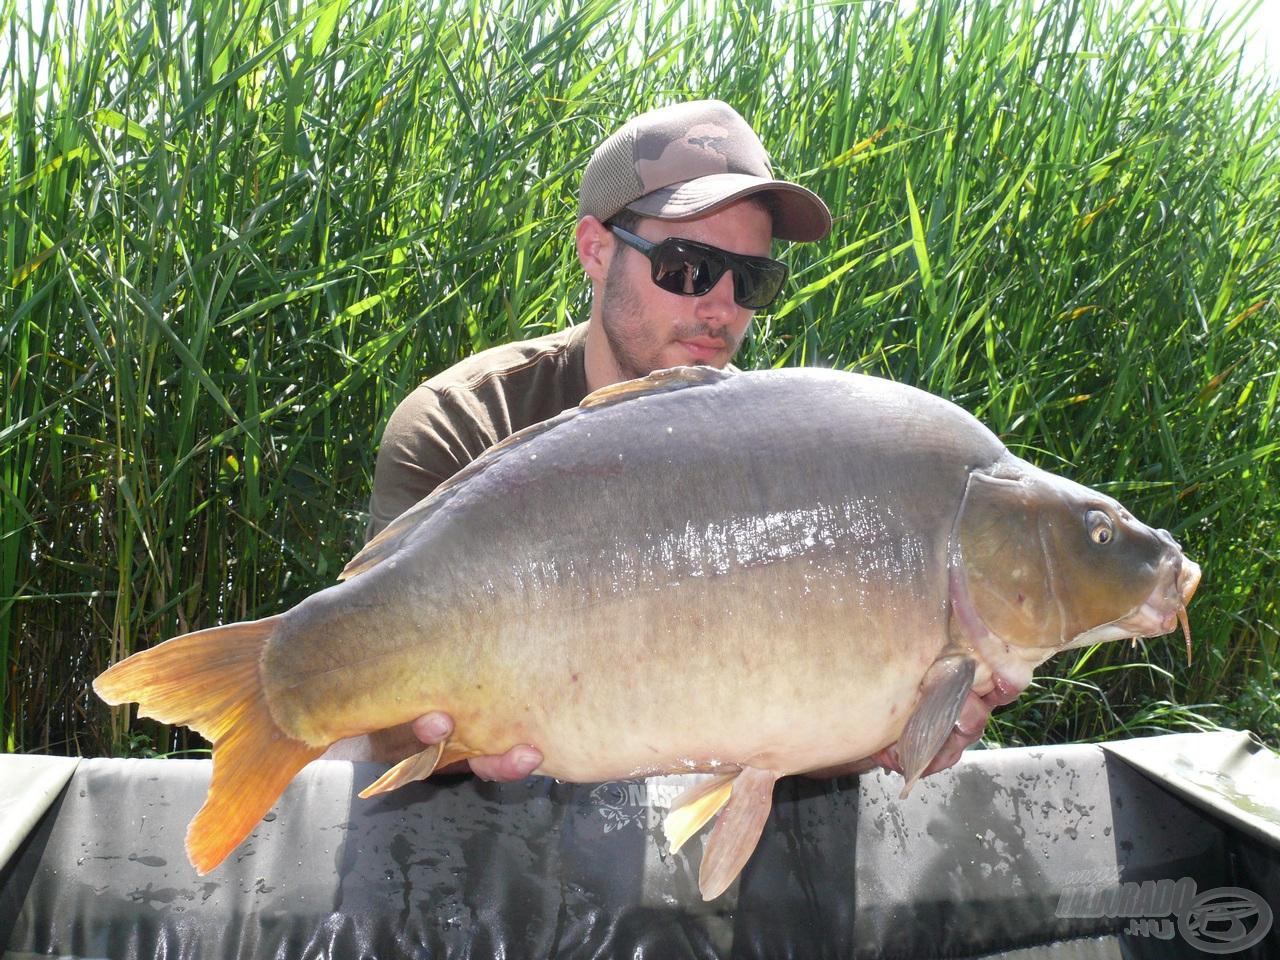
pixel 800 214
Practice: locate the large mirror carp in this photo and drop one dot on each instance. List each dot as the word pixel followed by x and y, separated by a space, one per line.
pixel 749 574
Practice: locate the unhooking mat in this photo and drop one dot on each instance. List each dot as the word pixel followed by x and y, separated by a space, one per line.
pixel 1034 853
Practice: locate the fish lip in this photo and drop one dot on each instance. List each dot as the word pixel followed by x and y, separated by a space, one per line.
pixel 1188 579
pixel 1157 614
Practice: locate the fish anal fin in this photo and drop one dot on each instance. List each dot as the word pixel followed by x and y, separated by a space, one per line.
pixel 421 765
pixel 210 681
pixel 942 694
pixel 660 381
pixel 694 808
pixel 417 767
pixel 455 750
pixel 737 831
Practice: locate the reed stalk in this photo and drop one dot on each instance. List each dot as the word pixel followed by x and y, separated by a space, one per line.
pixel 235 234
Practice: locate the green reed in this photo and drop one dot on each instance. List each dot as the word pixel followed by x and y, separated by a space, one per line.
pixel 234 235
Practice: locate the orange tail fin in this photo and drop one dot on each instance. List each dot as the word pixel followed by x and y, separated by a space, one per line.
pixel 210 681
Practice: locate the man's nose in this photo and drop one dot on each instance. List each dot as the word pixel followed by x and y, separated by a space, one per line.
pixel 719 299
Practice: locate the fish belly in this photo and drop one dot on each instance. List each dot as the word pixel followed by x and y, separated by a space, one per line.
pixel 653 587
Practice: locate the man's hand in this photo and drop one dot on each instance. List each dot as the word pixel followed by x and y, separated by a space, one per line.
pixel 968 730
pixel 516 764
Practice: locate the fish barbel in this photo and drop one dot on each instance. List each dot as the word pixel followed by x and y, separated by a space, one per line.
pixel 753 574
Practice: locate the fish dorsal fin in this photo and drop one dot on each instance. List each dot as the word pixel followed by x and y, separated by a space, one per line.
pixel 392 536
pixel 660 381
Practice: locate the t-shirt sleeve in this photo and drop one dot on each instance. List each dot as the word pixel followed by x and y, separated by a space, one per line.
pixel 428 439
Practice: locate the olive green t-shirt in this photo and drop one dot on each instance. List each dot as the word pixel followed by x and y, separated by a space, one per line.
pixel 455 416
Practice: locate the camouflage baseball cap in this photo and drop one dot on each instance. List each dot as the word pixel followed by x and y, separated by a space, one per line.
pixel 688 160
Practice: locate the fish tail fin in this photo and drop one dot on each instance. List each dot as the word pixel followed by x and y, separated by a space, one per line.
pixel 210 681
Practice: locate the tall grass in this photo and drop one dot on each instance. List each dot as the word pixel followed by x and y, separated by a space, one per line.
pixel 235 234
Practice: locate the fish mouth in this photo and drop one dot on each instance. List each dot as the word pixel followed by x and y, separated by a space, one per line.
pixel 1166 607
pixel 1163 611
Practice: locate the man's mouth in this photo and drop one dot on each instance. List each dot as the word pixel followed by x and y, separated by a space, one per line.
pixel 703 349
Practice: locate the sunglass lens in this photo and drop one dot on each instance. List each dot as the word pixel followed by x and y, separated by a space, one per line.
pixel 680 266
pixel 756 285
pixel 678 269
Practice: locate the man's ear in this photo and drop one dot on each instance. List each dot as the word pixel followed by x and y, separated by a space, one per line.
pixel 595 247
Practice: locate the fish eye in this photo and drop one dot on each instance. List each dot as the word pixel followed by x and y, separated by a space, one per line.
pixel 1100 527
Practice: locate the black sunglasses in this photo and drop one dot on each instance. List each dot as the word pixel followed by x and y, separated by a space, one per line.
pixel 691 269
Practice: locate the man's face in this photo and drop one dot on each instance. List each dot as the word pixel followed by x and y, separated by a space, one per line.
pixel 648 328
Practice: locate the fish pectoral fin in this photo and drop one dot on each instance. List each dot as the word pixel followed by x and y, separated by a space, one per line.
pixel 942 695
pixel 693 808
pixel 737 831
pixel 419 767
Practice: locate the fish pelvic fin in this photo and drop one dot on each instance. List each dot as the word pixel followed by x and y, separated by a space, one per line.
pixel 694 808
pixel 210 681
pixel 737 831
pixel 943 691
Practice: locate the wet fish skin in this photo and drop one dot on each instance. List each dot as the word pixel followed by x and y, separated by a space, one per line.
pixel 706 572
pixel 769 573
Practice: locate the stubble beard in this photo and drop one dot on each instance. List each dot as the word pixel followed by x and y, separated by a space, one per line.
pixel 635 350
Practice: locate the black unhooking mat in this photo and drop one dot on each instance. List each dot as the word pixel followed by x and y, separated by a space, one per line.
pixel 1017 853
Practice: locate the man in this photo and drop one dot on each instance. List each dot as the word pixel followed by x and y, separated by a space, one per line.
pixel 678 213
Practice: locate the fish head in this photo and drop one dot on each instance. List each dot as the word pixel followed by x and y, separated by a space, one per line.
pixel 1050 564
